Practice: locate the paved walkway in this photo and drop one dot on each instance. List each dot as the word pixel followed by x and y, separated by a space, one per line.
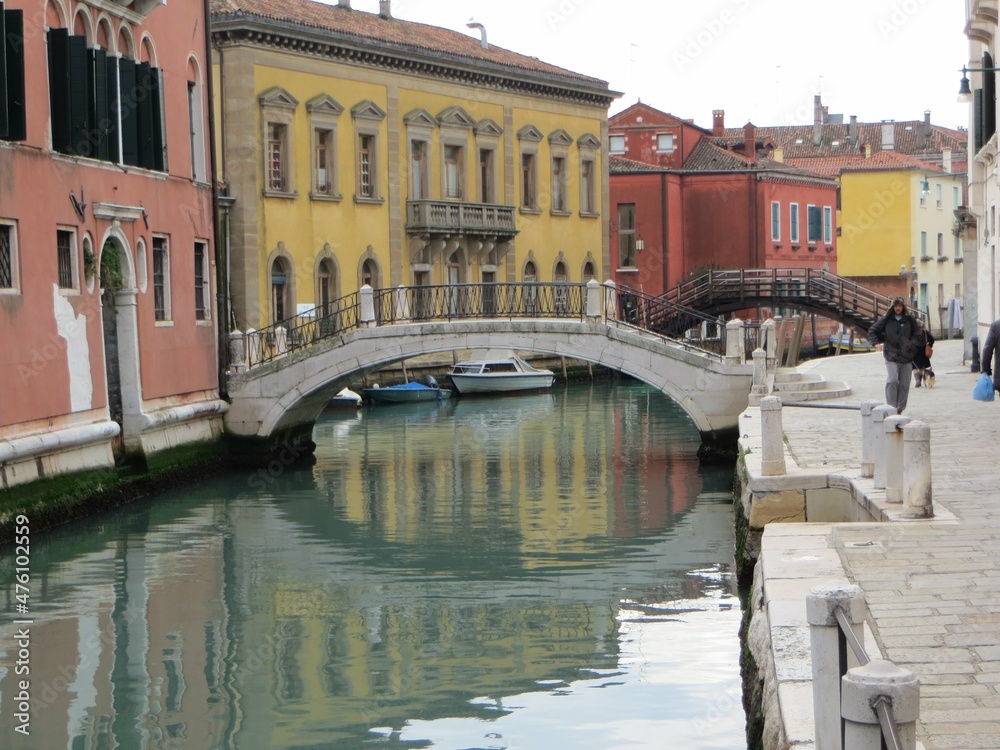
pixel 933 589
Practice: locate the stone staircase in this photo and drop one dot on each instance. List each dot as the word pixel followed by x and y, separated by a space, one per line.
pixel 791 385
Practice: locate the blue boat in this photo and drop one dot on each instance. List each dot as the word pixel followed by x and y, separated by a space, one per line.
pixel 407 393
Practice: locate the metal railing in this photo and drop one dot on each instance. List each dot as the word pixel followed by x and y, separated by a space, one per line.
pixel 623 307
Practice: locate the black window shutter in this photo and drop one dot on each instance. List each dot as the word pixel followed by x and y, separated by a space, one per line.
pixel 81 138
pixel 111 118
pixel 144 114
pixel 989 99
pixel 977 118
pixel 97 73
pixel 59 89
pixel 156 99
pixel 129 118
pixel 13 124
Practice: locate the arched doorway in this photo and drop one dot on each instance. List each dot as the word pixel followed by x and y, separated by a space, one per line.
pixel 326 293
pixel 453 271
pixel 369 274
pixel 561 292
pixel 530 276
pixel 281 303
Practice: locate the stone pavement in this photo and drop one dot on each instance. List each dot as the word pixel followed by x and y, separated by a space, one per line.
pixel 933 589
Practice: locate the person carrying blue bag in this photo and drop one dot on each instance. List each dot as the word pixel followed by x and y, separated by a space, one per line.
pixel 991 355
pixel 897 335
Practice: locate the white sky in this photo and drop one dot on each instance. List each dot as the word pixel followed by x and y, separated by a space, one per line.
pixel 759 60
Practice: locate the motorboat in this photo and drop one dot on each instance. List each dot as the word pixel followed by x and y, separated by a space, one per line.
pixel 345 399
pixel 498 371
pixel 842 344
pixel 407 393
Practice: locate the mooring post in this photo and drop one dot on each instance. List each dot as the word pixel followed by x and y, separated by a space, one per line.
pixel 772 462
pixel 893 426
pixel 879 414
pixel 917 494
pixel 879 685
pixel 867 438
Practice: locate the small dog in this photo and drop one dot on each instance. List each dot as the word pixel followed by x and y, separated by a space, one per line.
pixel 929 378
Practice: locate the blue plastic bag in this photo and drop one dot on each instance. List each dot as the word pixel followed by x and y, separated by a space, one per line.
pixel 984 388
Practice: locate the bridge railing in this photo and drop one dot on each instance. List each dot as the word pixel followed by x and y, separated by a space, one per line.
pixel 613 305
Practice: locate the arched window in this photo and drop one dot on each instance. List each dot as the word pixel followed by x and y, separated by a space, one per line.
pixel 530 292
pixel 369 274
pixel 325 286
pixel 561 292
pixel 588 271
pixel 280 302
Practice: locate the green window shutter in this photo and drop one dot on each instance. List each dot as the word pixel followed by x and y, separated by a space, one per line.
pixel 13 125
pixel 815 223
pixel 97 73
pixel 59 89
pixel 81 138
pixel 156 98
pixel 127 104
pixel 111 115
pixel 989 98
pixel 145 94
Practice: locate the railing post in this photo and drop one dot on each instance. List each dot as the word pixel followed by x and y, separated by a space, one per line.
pixel 610 300
pixel 593 300
pixel 865 689
pixel 734 342
pixel 768 333
pixel 237 352
pixel 253 347
pixel 879 414
pixel 400 304
pixel 772 462
pixel 367 317
pixel 280 340
pixel 867 438
pixel 893 426
pixel 917 494
pixel 828 650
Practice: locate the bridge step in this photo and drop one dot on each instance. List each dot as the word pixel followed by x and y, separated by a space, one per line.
pixel 833 389
pixel 794 385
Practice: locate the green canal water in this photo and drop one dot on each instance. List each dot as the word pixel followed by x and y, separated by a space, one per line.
pixel 538 572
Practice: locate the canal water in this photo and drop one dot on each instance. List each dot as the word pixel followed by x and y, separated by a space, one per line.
pixel 541 572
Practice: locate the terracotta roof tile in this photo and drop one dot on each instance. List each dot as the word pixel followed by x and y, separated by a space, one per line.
pixel 390 31
pixel 621 165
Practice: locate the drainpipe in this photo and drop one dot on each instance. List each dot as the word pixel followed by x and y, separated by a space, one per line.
pixel 221 263
pixel 663 230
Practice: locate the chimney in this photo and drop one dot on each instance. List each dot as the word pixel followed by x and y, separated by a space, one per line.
pixel 946 159
pixel 750 141
pixel 925 136
pixel 482 34
pixel 868 150
pixel 384 9
pixel 779 155
pixel 817 119
pixel 718 122
pixel 888 135
pixel 344 4
pixel 852 130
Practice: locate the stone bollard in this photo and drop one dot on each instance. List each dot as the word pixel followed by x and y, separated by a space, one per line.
pixel 879 414
pixel 735 342
pixel 864 689
pixel 759 387
pixel 400 304
pixel 893 426
pixel 280 340
pixel 237 352
pixel 825 644
pixel 917 494
pixel 769 338
pixel 772 438
pixel 593 299
pixel 253 347
pixel 367 317
pixel 867 438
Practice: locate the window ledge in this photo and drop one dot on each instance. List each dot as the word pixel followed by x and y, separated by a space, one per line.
pixel 9 291
pixel 943 258
pixel 69 291
pixel 628 269
pixel 924 258
pixel 553 212
pixel 530 211
pixel 829 248
pixel 369 201
pixel 203 323
pixel 796 247
pixel 589 215
pixel 959 260
pixel 164 324
pixel 811 248
pixel 279 194
pixel 336 198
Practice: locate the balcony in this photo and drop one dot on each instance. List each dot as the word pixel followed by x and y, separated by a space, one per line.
pixel 428 217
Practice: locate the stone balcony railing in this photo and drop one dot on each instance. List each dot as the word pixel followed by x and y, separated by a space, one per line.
pixel 455 217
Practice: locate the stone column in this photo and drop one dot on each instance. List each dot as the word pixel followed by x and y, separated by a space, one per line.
pixel 772 463
pixel 917 494
pixel 400 304
pixel 879 414
pixel 367 317
pixel 237 352
pixel 825 647
pixel 593 300
pixel 868 438
pixel 759 387
pixel 893 426
pixel 879 683
pixel 610 300
pixel 735 342
pixel 769 338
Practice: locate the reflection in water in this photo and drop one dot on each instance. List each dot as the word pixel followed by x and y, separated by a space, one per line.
pixel 533 571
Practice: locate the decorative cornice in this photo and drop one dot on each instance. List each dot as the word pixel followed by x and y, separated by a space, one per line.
pixel 367 110
pixel 455 117
pixel 486 126
pixel 278 98
pixel 324 104
pixel 588 140
pixel 560 138
pixel 419 118
pixel 529 133
pixel 116 212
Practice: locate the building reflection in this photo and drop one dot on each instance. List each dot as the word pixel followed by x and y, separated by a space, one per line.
pixel 430 563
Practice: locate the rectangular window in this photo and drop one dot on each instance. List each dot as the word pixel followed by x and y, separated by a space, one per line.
pixel 202 295
pixel 486 189
pixel 418 170
pixel 8 259
pixel 923 245
pixel 626 235
pixel 323 161
pixel 12 109
pixel 793 222
pixel 940 245
pixel 665 142
pixel 938 195
pixel 815 227
pixel 161 279
pixel 958 248
pixel 587 204
pixel 65 241
pixel 775 221
pixel 827 225
pixel 276 177
pixel 955 197
pixel 617 144
pixel 366 166
pixel 559 184
pixel 197 126
pixel 453 158
pixel 529 199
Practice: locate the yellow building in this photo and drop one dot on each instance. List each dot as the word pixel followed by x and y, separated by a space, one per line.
pixel 362 149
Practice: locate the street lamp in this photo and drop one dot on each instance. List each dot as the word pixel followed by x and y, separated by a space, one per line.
pixel 964 90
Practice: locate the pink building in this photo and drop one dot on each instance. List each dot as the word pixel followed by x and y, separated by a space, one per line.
pixel 106 235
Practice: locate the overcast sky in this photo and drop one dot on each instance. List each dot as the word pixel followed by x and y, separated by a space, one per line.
pixel 759 60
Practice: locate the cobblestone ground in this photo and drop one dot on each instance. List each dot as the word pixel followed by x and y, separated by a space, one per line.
pixel 933 588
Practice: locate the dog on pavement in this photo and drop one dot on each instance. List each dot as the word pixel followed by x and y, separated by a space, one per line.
pixel 929 378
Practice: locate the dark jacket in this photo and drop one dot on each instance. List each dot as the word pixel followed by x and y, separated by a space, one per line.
pixel 920 359
pixel 991 353
pixel 900 339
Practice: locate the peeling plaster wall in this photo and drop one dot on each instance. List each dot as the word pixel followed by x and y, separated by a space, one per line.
pixel 73 328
